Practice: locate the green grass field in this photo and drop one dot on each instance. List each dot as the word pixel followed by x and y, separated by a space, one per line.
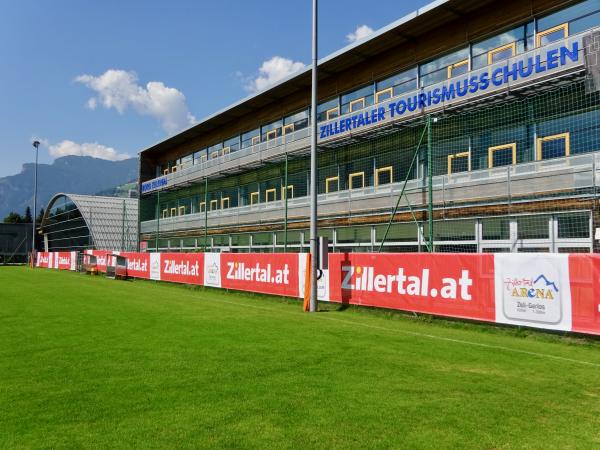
pixel 95 363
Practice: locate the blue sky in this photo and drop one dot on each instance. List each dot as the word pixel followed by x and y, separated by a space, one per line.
pixel 112 77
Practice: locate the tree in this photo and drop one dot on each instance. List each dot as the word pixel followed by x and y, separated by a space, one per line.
pixel 40 215
pixel 27 217
pixel 13 217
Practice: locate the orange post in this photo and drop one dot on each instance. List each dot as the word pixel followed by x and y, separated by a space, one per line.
pixel 307 283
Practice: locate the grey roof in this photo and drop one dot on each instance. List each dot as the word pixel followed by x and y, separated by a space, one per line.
pixel 107 219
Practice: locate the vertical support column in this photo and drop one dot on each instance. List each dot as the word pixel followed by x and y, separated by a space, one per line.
pixel 313 166
pixel 429 184
pixel 205 213
pixel 157 217
pixel 123 229
pixel 285 193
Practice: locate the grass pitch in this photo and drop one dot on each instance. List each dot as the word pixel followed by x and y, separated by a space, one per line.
pixel 89 362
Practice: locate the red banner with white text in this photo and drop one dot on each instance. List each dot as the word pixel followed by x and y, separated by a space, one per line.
pixel 548 291
pixel 102 257
pixel 182 268
pixel 267 273
pixel 455 285
pixel 138 264
pixel 42 259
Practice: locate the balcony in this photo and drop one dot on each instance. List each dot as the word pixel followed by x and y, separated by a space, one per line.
pixel 570 176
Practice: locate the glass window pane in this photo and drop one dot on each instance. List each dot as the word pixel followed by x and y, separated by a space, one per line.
pixel 354 235
pixel 326 106
pixel 398 232
pixel 401 82
pixel 495 229
pixel 567 14
pixel 240 239
pixel 365 93
pixel 502 157
pixel 233 143
pixel 533 227
pixel 437 70
pixel 221 241
pixel 553 148
pixel 248 136
pixel 573 225
pixel 453 230
pixel 585 23
pixel 480 49
pixel 293 237
pixel 262 239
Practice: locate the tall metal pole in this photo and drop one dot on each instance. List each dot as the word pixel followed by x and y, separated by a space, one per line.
pixel 36 144
pixel 205 213
pixel 285 193
pixel 157 217
pixel 123 228
pixel 430 184
pixel 313 166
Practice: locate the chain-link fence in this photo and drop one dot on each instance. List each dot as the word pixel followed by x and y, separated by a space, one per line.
pixel 515 174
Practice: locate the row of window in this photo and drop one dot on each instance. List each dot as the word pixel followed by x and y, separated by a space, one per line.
pixel 548 147
pixel 544 232
pixel 534 34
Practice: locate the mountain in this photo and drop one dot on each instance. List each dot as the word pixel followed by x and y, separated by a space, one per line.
pixel 69 174
pixel 129 190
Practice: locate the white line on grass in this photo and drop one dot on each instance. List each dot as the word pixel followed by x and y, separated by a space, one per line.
pixel 424 335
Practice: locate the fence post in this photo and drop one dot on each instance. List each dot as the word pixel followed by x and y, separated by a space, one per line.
pixel 285 193
pixel 205 212
pixel 430 183
pixel 123 229
pixel 157 217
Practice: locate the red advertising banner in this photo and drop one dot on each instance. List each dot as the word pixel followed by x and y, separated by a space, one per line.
pixel 65 260
pixel 43 259
pixel 456 285
pixel 138 264
pixel 101 258
pixel 268 273
pixel 584 274
pixel 182 267
pixel 548 291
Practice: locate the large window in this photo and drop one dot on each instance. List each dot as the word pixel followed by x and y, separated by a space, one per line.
pixel 573 225
pixel 397 84
pixel 572 20
pixel 328 110
pixel 271 130
pixel 358 99
pixel 187 161
pixel 233 144
pixel 214 151
pixel 250 138
pixel 200 156
pixel 295 121
pixel 501 46
pixel 440 69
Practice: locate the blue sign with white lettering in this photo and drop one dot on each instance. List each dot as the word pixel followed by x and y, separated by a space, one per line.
pixel 477 82
pixel 152 185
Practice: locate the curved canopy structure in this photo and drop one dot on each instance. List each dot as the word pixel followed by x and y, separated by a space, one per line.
pixel 75 222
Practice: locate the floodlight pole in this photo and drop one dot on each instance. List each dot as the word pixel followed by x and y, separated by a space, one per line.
pixel 36 144
pixel 313 166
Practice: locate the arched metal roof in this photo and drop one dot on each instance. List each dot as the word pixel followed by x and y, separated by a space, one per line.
pixel 112 221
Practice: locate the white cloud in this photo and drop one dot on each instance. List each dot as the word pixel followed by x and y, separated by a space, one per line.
pixel 93 149
pixel 119 89
pixel 270 72
pixel 361 32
